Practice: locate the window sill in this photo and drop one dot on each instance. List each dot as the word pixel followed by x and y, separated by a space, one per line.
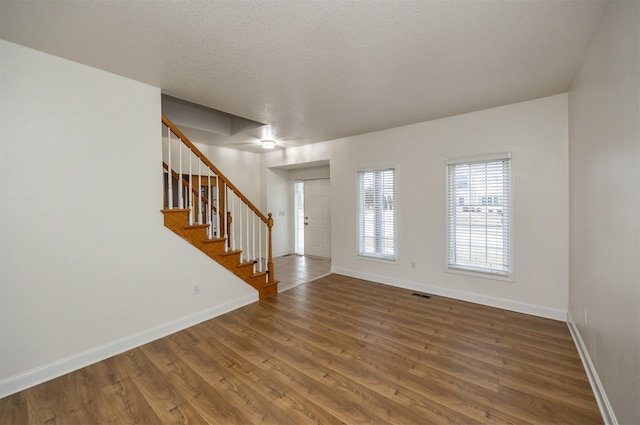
pixel 482 275
pixel 378 259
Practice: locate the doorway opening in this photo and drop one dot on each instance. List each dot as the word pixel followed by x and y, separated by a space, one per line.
pixel 298 217
pixel 312 222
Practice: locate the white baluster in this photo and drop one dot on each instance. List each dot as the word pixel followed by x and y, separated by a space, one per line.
pixel 259 247
pixel 209 210
pixel 190 195
pixel 218 233
pixel 224 217
pixel 242 254
pixel 180 189
pixel 233 220
pixel 169 176
pixel 200 203
pixel 266 250
pixel 253 237
pixel 248 256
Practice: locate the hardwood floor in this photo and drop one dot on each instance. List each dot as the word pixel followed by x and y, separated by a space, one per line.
pixel 336 350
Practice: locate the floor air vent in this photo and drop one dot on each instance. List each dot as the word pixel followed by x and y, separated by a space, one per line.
pixel 418 294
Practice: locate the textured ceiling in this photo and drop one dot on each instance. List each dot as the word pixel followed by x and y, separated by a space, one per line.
pixel 323 69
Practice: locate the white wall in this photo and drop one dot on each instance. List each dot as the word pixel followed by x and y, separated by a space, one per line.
pixel 604 128
pixel 241 168
pixel 280 199
pixel 87 268
pixel 310 173
pixel 535 132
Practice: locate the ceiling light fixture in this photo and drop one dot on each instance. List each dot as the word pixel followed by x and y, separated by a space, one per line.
pixel 268 144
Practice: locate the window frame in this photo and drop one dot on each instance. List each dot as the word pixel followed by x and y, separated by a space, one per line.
pixel 477 270
pixel 360 221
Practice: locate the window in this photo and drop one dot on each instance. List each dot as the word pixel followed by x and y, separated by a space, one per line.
pixel 377 214
pixel 478 214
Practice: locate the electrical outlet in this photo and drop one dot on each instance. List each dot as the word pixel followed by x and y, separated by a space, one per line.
pixel 196 289
pixel 413 264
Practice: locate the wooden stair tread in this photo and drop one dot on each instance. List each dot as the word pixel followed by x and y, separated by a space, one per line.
pixel 174 210
pixel 195 226
pixel 214 240
pixel 228 253
pixel 246 263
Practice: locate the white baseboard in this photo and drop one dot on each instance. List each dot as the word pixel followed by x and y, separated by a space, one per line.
pixel 606 411
pixel 77 361
pixel 535 310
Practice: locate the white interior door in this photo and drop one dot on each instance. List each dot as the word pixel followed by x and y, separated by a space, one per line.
pixel 317 221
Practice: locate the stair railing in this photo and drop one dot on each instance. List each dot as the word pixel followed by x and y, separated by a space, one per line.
pixel 195 184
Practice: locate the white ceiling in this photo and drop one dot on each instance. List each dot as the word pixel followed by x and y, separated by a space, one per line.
pixel 323 69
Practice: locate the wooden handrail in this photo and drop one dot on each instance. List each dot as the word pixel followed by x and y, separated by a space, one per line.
pixel 213 168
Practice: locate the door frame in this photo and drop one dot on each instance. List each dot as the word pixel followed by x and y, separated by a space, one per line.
pixel 297 226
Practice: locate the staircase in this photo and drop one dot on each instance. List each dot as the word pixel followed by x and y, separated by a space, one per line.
pixel 203 207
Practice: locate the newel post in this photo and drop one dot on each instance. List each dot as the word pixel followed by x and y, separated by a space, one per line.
pixel 270 255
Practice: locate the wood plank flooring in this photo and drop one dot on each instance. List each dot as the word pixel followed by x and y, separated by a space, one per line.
pixel 336 350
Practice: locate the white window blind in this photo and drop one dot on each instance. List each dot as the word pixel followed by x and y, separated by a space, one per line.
pixel 479 199
pixel 377 214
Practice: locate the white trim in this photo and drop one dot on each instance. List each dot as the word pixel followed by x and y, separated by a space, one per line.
pixel 469 159
pixel 77 361
pixel 359 222
pixel 376 168
pixel 510 275
pixel 608 416
pixel 480 274
pixel 379 259
pixel 520 307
